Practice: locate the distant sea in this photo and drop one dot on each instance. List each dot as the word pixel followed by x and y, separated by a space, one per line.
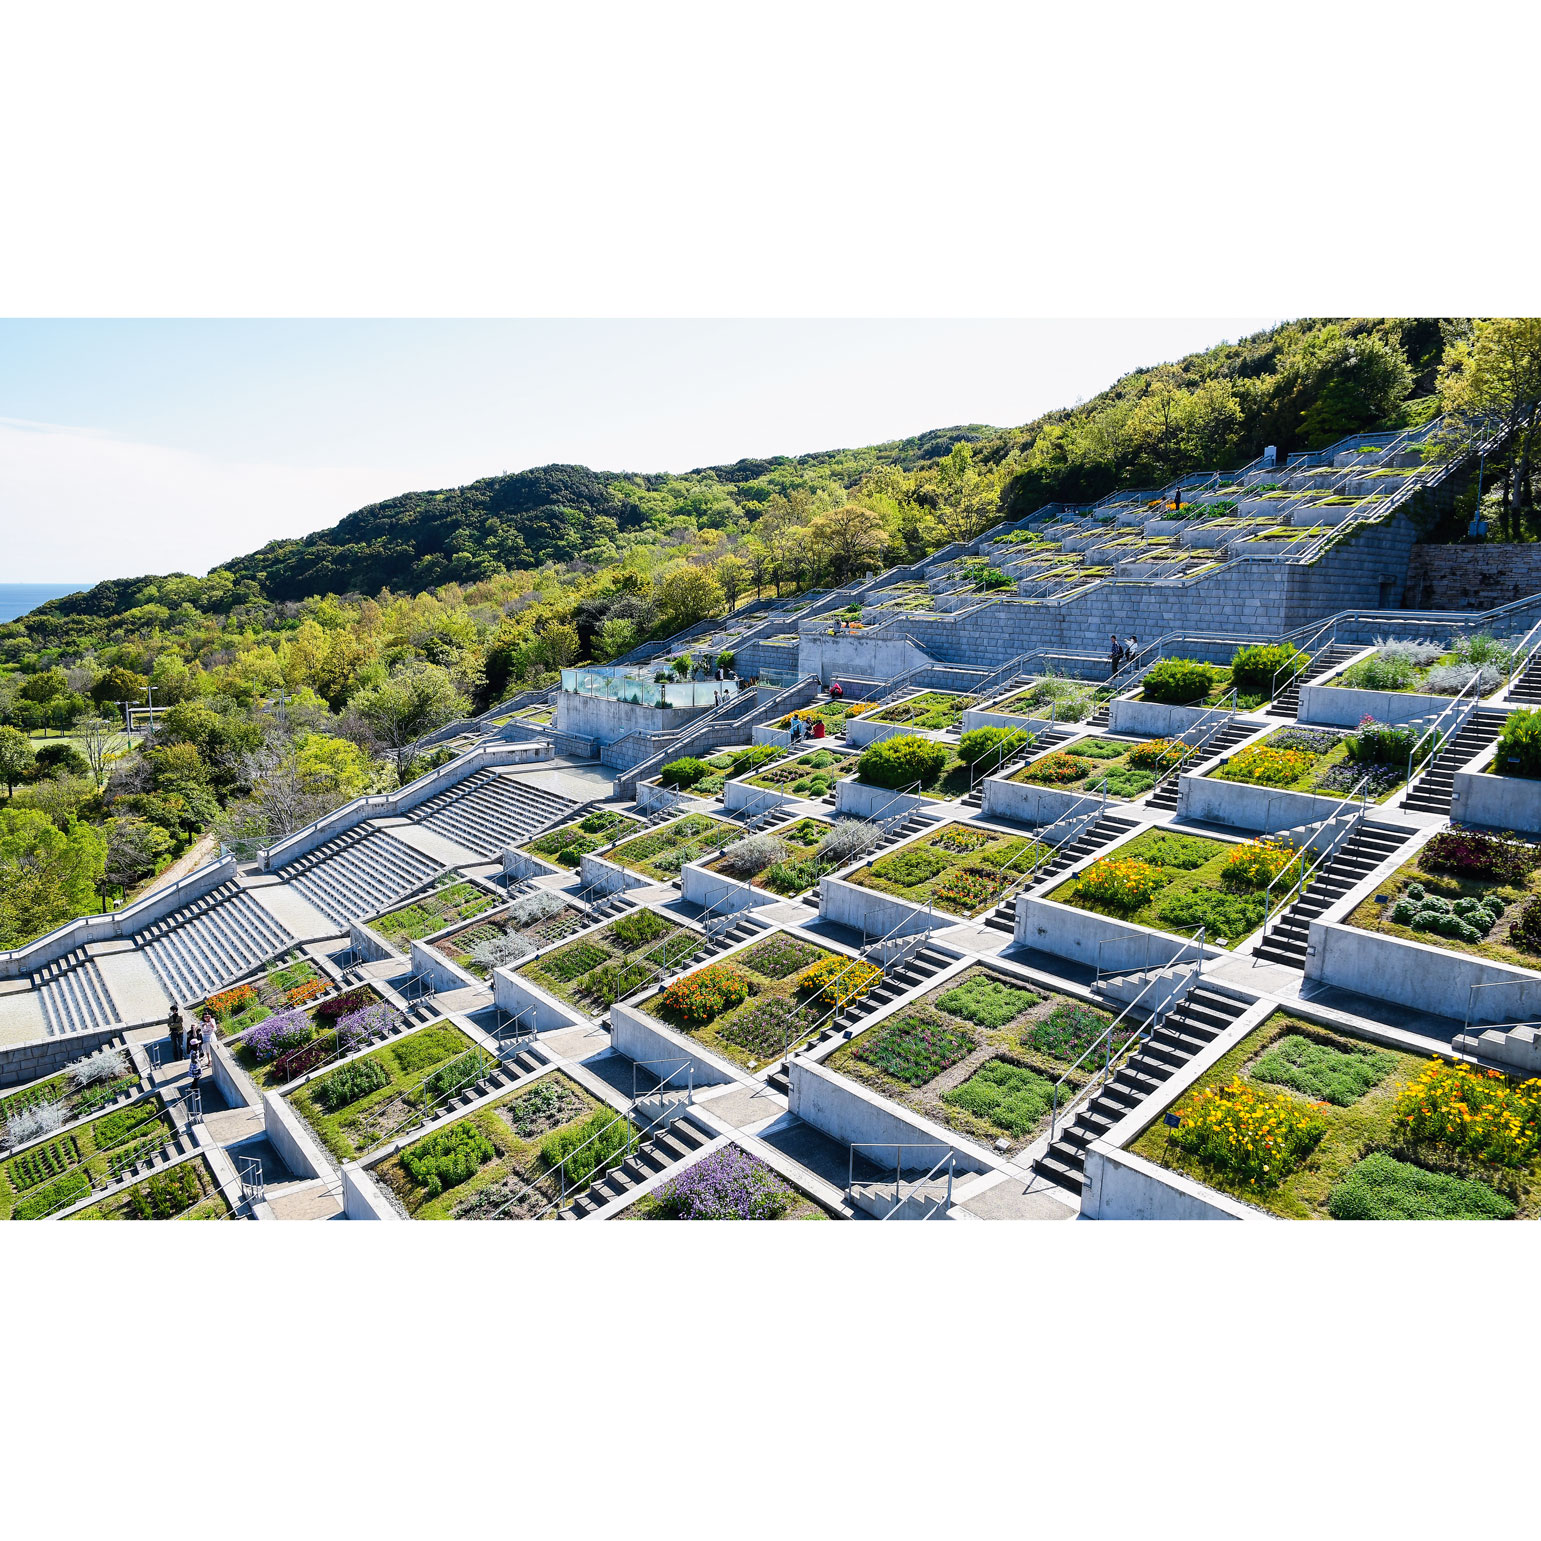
pixel 18 598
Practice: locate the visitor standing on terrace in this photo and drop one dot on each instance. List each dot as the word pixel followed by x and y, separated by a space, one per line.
pixel 1115 654
pixel 174 1022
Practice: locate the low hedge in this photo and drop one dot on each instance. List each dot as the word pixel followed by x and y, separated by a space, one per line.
pixel 902 761
pixel 1180 681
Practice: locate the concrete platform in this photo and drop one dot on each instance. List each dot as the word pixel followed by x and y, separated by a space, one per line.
pixel 292 910
pixel 134 988
pixel 433 845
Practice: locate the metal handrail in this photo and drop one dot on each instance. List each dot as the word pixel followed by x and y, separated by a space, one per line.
pixel 1455 727
pixel 1105 1039
pixel 1308 868
pixel 1226 704
pixel 1520 658
pixel 949 1160
pixel 415 1116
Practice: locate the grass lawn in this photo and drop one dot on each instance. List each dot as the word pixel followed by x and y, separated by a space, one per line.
pixel 601 967
pixel 1309 760
pixel 186 1191
pixel 809 775
pixel 432 912
pixel 459 946
pixel 50 1174
pixel 1500 944
pixel 801 870
pixel 778 1007
pixel 1172 883
pixel 397 1084
pixel 1271 1061
pixel 473 1167
pixel 662 853
pixel 979 1054
pixel 570 844
pixel 961 868
pixel 1127 768
pixel 931 711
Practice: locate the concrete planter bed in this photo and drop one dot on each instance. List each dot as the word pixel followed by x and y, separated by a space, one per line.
pixel 952 780
pixel 1501 939
pixel 502 1158
pixel 1153 719
pixel 536 921
pixel 603 966
pixel 978 1055
pixel 722 1182
pixel 566 847
pixel 1334 1107
pixel 74 1101
pixel 810 775
pixel 455 901
pixel 872 730
pixel 661 853
pixel 309 1033
pixel 722 766
pixel 1171 882
pixel 1485 794
pixel 406 1077
pixel 185 1190
pixel 1321 767
pixel 929 711
pixel 795 874
pixel 755 1003
pixel 1124 768
pixel 293 981
pixel 1070 705
pixel 51 1173
pixel 835 715
pixel 1340 700
pixel 962 869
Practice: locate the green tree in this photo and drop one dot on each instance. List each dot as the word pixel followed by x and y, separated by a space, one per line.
pixel 134 849
pixel 16 758
pixel 416 701
pixel 47 875
pixel 687 594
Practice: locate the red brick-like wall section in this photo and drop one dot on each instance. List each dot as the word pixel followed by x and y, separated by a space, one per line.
pixel 1471 577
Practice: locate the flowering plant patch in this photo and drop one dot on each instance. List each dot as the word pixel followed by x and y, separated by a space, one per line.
pixel 1480 1112
pixel 966 889
pixel 728 1184
pixel 961 841
pixel 1255 1136
pixel 915 1049
pixel 768 1028
pixel 1265 766
pixel 1470 855
pixel 278 1034
pixel 779 956
pixel 306 992
pixel 699 997
pixel 1157 754
pixel 1068 1031
pixel 342 1005
pixel 228 1002
pixel 1256 864
pixel 839 979
pixel 1120 882
pixel 1053 769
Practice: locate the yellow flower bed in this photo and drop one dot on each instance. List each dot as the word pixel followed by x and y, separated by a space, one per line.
pixel 1478 1111
pixel 1120 882
pixel 1257 863
pixel 839 980
pixel 1256 1136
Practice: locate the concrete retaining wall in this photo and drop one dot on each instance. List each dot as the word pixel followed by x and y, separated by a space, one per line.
pixel 1096 940
pixel 1152 718
pixel 737 795
pixel 872 913
pixel 1497 802
pixel 1124 1187
pixel 1336 706
pixel 607 878
pixel 861 731
pixel 856 799
pixel 297 1147
pixel 724 895
pixel 1026 802
pixel 230 1081
pixel 1241 805
pixel 604 720
pixel 429 963
pixel 23 1062
pixel 362 1199
pixel 644 1039
pixel 532 1005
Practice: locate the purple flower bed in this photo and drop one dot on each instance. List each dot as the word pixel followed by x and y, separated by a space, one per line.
pixel 368 1022
pixel 278 1034
pixel 729 1184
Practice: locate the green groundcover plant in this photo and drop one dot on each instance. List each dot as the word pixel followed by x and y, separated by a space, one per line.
pixel 1320 1072
pixel 1383 1188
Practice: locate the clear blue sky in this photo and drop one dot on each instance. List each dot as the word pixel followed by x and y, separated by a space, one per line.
pixel 129 447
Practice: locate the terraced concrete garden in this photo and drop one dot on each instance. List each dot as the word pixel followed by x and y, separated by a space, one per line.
pixel 1467 892
pixel 933 711
pixel 1184 682
pixel 287 1044
pixel 833 714
pixel 502 1160
pixel 661 854
pixel 601 967
pixel 961 868
pixel 186 1191
pixel 809 775
pixel 725 1184
pixel 570 844
pixel 791 859
pixel 1125 768
pixel 979 1055
pixel 753 1006
pixel 1312 1124
pixel 911 764
pixel 432 912
pixel 1177 883
pixel 52 1173
pixel 1429 668
pixel 1069 700
pixel 1325 762
pixel 76 1092
pixel 292 983
pixel 363 1102
pixel 706 778
pixel 498 941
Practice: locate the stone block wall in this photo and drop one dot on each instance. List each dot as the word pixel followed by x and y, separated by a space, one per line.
pixel 1472 577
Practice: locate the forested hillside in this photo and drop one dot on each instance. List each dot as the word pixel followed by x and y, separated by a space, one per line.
pixel 310 670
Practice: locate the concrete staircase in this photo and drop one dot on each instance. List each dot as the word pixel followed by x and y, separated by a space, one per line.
pixel 489 811
pixel 1430 793
pixel 1287 702
pixel 1103 832
pixel 1286 940
pixel 358 873
pixel 73 995
pixel 1041 743
pixel 210 942
pixel 1233 733
pixel 660 1151
pixel 1526 689
pixel 1184 1031
pixel 919 821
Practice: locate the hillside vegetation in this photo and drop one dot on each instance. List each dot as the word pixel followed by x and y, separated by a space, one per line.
pixel 311 670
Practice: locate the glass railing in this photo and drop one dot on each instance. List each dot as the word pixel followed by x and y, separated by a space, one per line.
pixel 643 690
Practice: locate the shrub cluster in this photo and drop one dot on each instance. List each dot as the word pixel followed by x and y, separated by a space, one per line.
pixel 583 1149
pixel 902 761
pixel 1381 743
pixel 1253 669
pixel 166 1195
pixel 752 855
pixel 349 1082
pixel 448 1157
pixel 1519 745
pixel 1465 920
pixel 985 744
pixel 1180 681
pixel 684 772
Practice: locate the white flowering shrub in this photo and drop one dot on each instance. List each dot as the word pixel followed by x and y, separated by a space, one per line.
pixel 104 1065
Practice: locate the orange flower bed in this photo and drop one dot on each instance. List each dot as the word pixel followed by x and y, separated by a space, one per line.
pixel 227 1002
pixel 306 992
